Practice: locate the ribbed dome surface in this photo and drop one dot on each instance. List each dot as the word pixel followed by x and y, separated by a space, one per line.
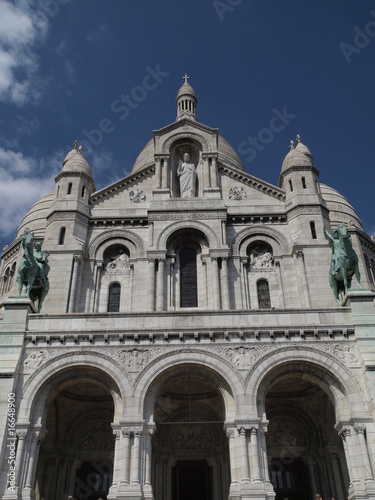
pixel 340 210
pixel 296 158
pixel 75 162
pixel 226 153
pixel 186 89
pixel 36 218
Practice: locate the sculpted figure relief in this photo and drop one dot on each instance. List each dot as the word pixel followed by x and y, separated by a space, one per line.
pixel 187 175
pixel 260 257
pixel 344 261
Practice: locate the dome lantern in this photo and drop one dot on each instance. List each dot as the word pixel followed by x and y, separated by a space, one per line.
pixel 186 101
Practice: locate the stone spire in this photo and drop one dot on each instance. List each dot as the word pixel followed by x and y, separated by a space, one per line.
pixel 186 101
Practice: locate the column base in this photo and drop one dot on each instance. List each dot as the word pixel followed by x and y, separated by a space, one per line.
pixel 251 491
pixel 359 491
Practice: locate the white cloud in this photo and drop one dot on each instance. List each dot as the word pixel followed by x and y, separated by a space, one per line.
pixel 22 29
pixel 23 181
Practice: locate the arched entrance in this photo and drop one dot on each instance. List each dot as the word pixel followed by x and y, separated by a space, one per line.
pixel 76 456
pixel 305 453
pixel 190 449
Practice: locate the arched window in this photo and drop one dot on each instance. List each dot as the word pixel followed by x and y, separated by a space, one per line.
pixel 313 230
pixel 83 191
pixel 188 277
pixel 62 236
pixel 69 191
pixel 114 293
pixel 264 299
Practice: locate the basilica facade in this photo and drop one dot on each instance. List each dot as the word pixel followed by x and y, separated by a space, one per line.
pixel 186 343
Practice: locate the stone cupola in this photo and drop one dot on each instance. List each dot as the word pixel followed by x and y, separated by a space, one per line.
pixel 186 101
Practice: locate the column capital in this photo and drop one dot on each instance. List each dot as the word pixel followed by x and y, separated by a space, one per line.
pixel 359 428
pixel 344 432
pixel 38 434
pixel 155 256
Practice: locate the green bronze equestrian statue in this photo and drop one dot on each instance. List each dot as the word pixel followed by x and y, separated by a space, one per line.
pixel 344 262
pixel 33 270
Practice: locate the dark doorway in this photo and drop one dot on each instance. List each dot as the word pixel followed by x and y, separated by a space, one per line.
pixel 192 480
pixel 93 480
pixel 290 479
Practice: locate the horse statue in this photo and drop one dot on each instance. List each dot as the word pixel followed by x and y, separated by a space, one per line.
pixel 344 262
pixel 33 270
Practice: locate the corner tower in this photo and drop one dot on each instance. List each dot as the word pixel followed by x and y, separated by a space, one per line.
pixel 303 199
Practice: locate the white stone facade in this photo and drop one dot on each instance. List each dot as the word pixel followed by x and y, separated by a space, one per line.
pixel 188 347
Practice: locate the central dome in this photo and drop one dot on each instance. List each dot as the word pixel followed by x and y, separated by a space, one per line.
pixel 227 155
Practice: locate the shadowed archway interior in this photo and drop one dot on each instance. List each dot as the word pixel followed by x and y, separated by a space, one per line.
pixel 190 448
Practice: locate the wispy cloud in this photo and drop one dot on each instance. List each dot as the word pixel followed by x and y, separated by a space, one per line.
pixel 22 29
pixel 23 181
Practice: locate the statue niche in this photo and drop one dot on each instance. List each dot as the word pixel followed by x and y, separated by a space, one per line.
pixel 260 257
pixel 186 168
pixel 187 176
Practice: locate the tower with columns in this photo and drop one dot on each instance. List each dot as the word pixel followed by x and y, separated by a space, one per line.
pixel 190 345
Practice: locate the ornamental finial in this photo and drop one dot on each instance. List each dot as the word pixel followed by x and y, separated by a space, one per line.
pixel 291 144
pixel 298 138
pixel 75 145
pixel 186 78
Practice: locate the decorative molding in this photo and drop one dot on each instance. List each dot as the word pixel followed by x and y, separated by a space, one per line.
pixel 186 204
pixel 187 216
pixel 123 234
pixel 258 233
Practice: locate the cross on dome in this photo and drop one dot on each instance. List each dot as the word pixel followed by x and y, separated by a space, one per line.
pixel 186 77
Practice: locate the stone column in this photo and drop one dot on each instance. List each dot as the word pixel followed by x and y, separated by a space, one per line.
pixel 148 455
pixel 117 465
pixel 245 279
pixel 20 461
pixel 254 455
pixel 336 474
pixel 232 455
pixel 279 273
pixel 171 284
pixel 311 465
pixel 301 272
pixel 215 282
pixel 263 446
pixel 206 172
pixel 244 458
pixel 37 437
pixel 98 270
pixel 214 172
pixel 225 283
pixel 164 173
pixel 160 285
pixel 158 172
pixel 363 452
pixel 151 284
pixel 73 290
pixel 136 455
pixel 126 455
pixel 351 460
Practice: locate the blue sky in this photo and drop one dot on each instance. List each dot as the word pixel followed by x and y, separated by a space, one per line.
pixel 65 65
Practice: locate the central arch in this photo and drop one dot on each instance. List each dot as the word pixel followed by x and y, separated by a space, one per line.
pixel 189 447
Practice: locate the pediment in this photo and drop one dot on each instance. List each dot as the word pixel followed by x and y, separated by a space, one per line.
pixel 232 178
